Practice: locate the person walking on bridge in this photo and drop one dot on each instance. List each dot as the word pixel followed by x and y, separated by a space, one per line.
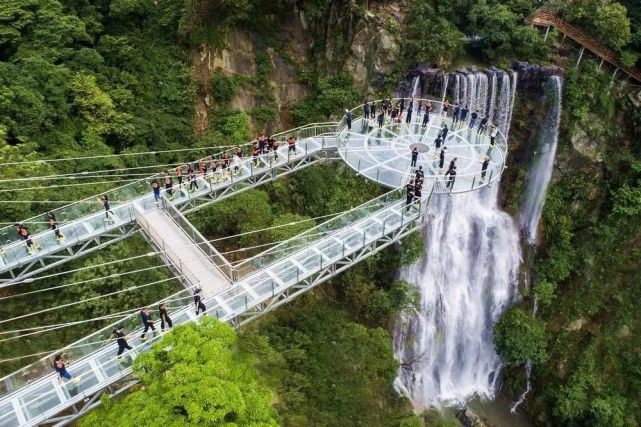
pixel 61 368
pixel 291 145
pixel 179 176
pixel 156 190
pixel 191 178
pixel 163 310
pixel 464 113
pixel 419 173
pixel 457 115
pixel 446 107
pixel 109 215
pixel 409 195
pixel 198 302
pixel 474 116
pixel 53 226
pixel 119 335
pixel 444 132
pixel 169 187
pixel 146 322
pixel 414 156
pixel 441 161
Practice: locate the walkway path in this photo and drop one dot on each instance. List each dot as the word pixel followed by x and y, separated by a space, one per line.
pixel 547 18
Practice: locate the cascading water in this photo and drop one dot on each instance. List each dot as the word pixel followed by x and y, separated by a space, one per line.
pixel 467 278
pixel 540 171
pixel 492 101
pixel 446 80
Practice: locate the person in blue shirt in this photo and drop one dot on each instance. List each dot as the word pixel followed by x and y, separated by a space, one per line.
pixel 61 368
pixel 156 188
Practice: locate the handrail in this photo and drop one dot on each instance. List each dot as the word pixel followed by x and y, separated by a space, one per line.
pixel 546 17
pixel 38 222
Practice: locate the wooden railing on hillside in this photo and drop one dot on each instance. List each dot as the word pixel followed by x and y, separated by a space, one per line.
pixel 547 18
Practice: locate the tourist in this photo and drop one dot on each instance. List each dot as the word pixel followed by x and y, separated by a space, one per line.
pixel 426 119
pixel 156 190
pixel 483 125
pixel 402 105
pixel 452 165
pixel 493 133
pixel 408 117
pixel 225 161
pixel 179 176
pixel 198 302
pixel 486 162
pixel 146 322
pixel 291 145
pixel 191 178
pixel 464 113
pixel 446 107
pixel 169 187
pixel 414 156
pixel 437 144
pixel 457 114
pixel 372 109
pixel 109 215
pixel 442 158
pixel 475 115
pixel 370 124
pixel 262 142
pixel 409 195
pixel 419 173
pixel 418 186
pixel 239 149
pixel 121 338
pixel 444 132
pixel 348 119
pixel 381 118
pixel 53 225
pixel 25 236
pixel 255 152
pixel 236 163
pixel 452 178
pixel 61 368
pixel 163 310
pixel 366 110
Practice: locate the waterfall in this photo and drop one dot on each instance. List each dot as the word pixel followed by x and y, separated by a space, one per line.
pixel 540 171
pixel 470 99
pixel 492 101
pixel 446 79
pixel 482 90
pixel 467 278
pixel 416 91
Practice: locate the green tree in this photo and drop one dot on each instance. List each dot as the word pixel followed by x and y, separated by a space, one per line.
pixel 430 37
pixel 519 337
pixel 197 375
pixel 612 24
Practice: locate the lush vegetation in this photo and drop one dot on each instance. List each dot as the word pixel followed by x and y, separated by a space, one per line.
pixel 197 374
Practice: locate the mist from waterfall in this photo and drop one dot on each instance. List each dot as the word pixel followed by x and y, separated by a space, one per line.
pixel 540 171
pixel 467 277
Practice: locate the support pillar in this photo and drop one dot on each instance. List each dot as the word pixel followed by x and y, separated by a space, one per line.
pixel 601 64
pixel 580 56
pixel 547 32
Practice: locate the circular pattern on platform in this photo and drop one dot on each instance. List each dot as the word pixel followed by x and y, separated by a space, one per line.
pixel 384 154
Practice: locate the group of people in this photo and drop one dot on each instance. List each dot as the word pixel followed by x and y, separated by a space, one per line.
pixel 25 235
pixel 393 112
pixel 119 335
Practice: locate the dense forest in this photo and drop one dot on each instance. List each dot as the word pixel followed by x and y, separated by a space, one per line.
pixel 108 79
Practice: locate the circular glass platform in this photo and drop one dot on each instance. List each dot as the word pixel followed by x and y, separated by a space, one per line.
pixel 384 153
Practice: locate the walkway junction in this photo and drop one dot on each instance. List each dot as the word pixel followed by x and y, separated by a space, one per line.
pixel 237 293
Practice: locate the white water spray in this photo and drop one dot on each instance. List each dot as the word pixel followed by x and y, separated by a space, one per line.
pixel 541 169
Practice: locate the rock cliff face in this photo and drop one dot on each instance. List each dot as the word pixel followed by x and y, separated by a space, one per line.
pixel 364 43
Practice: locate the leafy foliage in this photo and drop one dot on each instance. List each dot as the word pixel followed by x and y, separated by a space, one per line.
pixel 519 337
pixel 196 375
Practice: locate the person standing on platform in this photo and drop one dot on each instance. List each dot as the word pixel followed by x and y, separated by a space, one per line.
pixel 156 189
pixel 25 236
pixel 444 131
pixel 119 335
pixel 146 322
pixel 191 178
pixel 452 174
pixel 291 145
pixel 409 195
pixel 418 186
pixel 426 119
pixel 169 187
pixel 452 165
pixel 402 105
pixel 372 109
pixel 486 162
pixel 464 113
pixel 198 302
pixel 414 156
pixel 483 125
pixel 365 110
pixel 493 133
pixel 475 115
pixel 381 118
pixel 163 310
pixel 370 124
pixel 348 119
pixel 419 173
pixel 408 117
pixel 53 225
pixel 441 161
pixel 446 107
pixel 109 215
pixel 179 176
pixel 457 115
